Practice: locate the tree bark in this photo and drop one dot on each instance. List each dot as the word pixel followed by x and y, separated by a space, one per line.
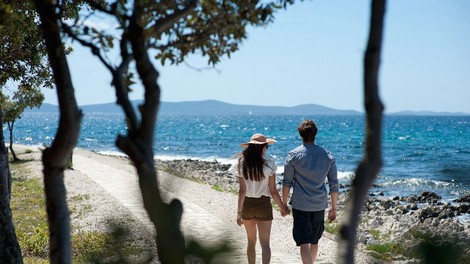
pixel 371 164
pixel 70 161
pixel 10 251
pixel 138 145
pixel 10 128
pixel 55 158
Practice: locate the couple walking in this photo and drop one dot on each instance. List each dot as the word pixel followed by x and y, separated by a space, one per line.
pixel 305 170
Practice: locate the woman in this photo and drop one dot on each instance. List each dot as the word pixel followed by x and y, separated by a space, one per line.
pixel 257 183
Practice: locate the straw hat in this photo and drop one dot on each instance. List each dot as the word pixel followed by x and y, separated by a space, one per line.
pixel 258 139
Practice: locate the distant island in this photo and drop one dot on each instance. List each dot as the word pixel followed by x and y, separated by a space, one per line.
pixel 210 107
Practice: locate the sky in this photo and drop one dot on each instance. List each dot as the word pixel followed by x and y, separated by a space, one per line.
pixel 313 54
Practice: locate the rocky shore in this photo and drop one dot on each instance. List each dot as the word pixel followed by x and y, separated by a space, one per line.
pixel 392 229
pixel 409 222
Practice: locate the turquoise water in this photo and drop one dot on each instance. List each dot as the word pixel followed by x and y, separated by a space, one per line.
pixel 424 153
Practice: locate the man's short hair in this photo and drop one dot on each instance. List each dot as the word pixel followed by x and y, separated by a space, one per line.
pixel 308 130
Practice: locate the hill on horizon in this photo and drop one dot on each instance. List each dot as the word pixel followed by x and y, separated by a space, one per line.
pixel 210 107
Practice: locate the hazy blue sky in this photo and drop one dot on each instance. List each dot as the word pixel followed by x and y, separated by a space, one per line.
pixel 313 53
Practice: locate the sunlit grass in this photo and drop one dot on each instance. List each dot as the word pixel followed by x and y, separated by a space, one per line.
pixel 30 220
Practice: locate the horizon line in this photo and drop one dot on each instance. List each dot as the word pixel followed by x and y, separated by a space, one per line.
pixel 306 104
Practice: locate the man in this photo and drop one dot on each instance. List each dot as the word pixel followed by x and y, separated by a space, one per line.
pixel 305 170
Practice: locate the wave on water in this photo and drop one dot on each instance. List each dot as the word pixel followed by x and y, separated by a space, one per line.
pixel 416 182
pixel 415 186
pixel 407 137
pixel 112 153
pixel 171 157
pixel 464 218
pixel 185 157
pixel 346 176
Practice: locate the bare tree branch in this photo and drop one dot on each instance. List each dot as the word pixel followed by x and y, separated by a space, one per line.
pixel 122 89
pixel 187 40
pixel 200 69
pixel 94 49
pixel 170 20
pixel 96 6
pixel 118 73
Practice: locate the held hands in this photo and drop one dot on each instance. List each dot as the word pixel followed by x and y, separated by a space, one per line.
pixel 285 210
pixel 332 215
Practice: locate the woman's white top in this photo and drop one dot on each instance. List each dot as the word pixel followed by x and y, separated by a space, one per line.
pixel 256 189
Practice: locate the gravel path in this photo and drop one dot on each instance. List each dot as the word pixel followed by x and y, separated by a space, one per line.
pixel 105 187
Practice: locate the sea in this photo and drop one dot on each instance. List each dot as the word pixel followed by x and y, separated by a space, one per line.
pixel 420 153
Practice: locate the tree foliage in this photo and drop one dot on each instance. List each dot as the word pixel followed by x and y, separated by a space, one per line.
pixel 24 69
pixel 175 29
pixel 13 108
pixel 22 62
pixel 22 52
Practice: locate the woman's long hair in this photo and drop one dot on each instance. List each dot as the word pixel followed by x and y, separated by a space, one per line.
pixel 251 163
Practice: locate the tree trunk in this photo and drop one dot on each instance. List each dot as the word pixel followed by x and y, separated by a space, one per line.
pixel 10 128
pixel 371 164
pixel 138 145
pixel 70 161
pixel 10 251
pixel 55 158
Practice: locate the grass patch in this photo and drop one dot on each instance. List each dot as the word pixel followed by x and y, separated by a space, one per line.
pixel 30 220
pixel 119 246
pixel 332 228
pixel 28 151
pixel 79 197
pixel 375 233
pixel 77 207
pixel 217 188
pixel 35 260
pixel 420 235
pixel 88 244
pixel 29 216
pixel 385 251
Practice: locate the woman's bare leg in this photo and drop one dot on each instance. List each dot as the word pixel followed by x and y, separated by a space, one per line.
pixel 264 229
pixel 250 227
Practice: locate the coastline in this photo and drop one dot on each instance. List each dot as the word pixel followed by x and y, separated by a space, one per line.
pixel 207 185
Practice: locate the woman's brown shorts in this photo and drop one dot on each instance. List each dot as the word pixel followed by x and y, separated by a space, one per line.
pixel 259 209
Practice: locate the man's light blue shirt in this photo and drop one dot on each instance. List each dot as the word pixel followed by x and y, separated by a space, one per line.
pixel 306 169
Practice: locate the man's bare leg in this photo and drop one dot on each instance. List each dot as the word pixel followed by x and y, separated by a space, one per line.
pixel 313 251
pixel 306 254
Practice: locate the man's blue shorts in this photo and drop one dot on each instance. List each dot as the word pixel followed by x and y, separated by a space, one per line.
pixel 308 226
